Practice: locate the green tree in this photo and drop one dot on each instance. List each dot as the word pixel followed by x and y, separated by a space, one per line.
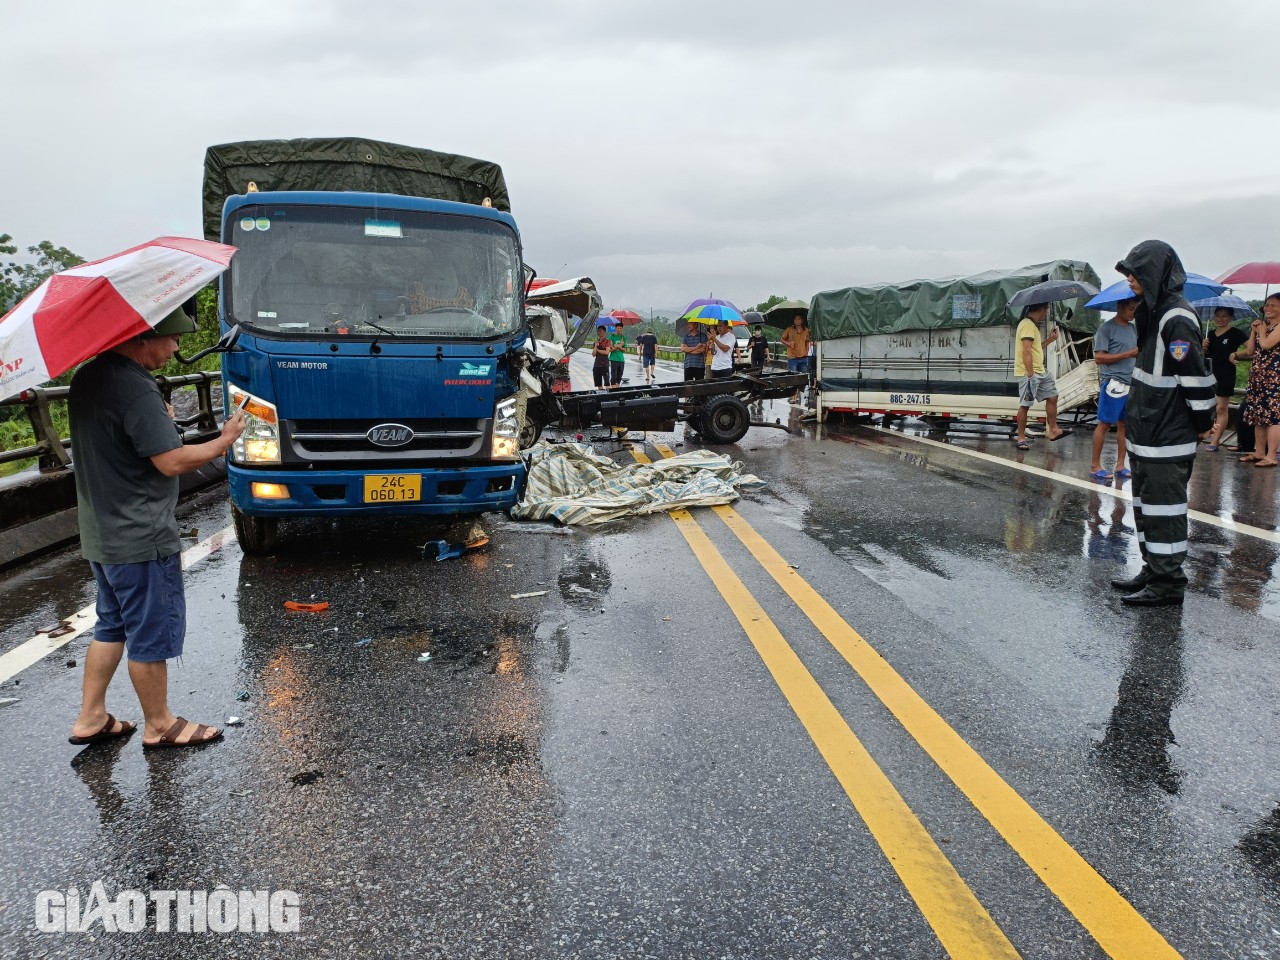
pixel 19 279
pixel 773 301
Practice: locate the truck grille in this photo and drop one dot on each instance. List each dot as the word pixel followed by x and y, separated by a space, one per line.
pixel 329 440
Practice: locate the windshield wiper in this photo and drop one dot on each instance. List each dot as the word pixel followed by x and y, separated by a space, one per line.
pixel 381 330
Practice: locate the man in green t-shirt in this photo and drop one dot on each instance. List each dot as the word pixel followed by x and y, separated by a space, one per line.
pixel 128 456
pixel 617 357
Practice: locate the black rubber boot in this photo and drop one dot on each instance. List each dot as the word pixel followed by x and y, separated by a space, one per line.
pixel 1130 586
pixel 1148 597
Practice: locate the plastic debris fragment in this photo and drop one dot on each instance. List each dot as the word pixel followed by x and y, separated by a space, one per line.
pixel 442 550
pixel 526 596
pixel 234 721
pixel 242 696
pixel 306 607
pixel 364 641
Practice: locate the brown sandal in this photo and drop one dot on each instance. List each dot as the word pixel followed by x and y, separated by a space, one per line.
pixel 106 733
pixel 202 735
pixel 1264 464
pixel 1249 458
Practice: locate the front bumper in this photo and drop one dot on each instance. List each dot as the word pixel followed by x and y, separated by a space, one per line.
pixel 337 493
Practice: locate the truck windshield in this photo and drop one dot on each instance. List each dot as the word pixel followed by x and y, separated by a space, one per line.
pixel 306 271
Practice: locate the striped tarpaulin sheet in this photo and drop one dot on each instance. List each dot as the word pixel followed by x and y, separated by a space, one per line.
pixel 569 483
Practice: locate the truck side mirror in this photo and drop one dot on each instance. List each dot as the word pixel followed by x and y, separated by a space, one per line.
pixel 225 344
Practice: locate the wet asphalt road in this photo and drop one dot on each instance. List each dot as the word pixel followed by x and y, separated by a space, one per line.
pixel 613 770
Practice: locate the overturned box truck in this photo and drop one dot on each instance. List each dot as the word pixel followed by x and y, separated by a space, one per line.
pixel 945 348
pixel 385 362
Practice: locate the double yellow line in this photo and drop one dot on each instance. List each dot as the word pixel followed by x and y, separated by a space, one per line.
pixel 959 920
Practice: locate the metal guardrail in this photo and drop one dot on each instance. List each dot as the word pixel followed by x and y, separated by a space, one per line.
pixel 51 449
pixel 777 350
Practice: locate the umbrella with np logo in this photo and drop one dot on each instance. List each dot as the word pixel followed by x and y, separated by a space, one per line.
pixel 85 310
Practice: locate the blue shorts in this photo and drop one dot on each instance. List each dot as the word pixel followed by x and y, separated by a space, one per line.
pixel 1113 397
pixel 798 365
pixel 647 362
pixel 142 606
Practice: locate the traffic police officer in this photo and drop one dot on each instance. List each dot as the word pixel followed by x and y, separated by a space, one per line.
pixel 1171 405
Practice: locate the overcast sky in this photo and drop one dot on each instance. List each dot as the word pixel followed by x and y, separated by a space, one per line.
pixel 674 149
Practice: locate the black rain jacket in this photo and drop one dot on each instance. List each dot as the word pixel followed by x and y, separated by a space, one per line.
pixel 1171 399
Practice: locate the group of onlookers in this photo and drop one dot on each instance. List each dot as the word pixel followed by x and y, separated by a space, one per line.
pixel 1114 350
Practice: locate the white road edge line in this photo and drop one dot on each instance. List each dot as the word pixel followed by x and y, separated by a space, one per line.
pixel 40 646
pixel 1209 518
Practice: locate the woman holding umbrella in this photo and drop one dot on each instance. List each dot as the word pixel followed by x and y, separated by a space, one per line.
pixel 1262 396
pixel 1220 348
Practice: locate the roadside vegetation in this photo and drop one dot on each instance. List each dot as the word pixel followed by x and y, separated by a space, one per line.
pixel 20 277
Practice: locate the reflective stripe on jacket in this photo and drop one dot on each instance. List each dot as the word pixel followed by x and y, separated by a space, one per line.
pixel 1171 401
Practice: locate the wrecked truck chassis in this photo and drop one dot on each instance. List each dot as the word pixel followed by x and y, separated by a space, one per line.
pixel 717 409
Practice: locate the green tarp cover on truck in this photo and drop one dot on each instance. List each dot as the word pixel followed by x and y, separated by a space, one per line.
pixel 978 301
pixel 344 163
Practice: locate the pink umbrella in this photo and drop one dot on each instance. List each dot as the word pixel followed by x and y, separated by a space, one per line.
pixel 1260 272
pixel 90 308
pixel 626 318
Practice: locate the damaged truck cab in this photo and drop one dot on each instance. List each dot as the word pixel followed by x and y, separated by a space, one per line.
pixel 378 289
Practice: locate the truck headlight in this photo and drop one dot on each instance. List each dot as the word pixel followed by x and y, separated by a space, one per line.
pixel 506 430
pixel 260 442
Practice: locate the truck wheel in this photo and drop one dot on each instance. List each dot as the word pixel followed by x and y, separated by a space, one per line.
pixel 530 431
pixel 256 535
pixel 724 419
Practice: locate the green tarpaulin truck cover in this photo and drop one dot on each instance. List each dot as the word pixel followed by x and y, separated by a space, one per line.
pixel 345 163
pixel 978 301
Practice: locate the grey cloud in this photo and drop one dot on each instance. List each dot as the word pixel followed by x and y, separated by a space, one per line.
pixel 672 148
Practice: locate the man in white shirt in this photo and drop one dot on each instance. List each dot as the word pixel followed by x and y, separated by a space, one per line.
pixel 721 345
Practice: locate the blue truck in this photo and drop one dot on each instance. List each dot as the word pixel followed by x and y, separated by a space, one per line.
pixel 379 292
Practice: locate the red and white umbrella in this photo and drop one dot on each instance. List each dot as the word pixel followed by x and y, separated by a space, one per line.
pixel 1259 272
pixel 90 308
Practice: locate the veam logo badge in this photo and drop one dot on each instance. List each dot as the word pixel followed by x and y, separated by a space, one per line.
pixel 389 435
pixel 474 370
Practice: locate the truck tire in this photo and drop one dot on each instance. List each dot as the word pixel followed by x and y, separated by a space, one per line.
pixel 724 419
pixel 257 535
pixel 530 431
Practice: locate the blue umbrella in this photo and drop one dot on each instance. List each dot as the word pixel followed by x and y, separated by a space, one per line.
pixel 1197 287
pixel 1210 305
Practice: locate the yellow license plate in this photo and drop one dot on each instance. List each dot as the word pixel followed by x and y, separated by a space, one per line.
pixel 392 487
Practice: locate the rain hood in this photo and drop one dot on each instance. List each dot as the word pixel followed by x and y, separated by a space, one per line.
pixel 345 163
pixel 1157 267
pixel 981 300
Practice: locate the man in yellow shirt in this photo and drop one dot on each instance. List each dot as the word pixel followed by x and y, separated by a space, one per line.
pixel 1034 383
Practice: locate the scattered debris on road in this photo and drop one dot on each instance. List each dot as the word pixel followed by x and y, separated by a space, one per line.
pixel 526 596
pixel 300 607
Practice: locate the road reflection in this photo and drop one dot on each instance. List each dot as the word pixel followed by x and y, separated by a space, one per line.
pixel 1139 732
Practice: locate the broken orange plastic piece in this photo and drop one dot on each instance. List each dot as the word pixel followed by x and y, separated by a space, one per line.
pixel 306 607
